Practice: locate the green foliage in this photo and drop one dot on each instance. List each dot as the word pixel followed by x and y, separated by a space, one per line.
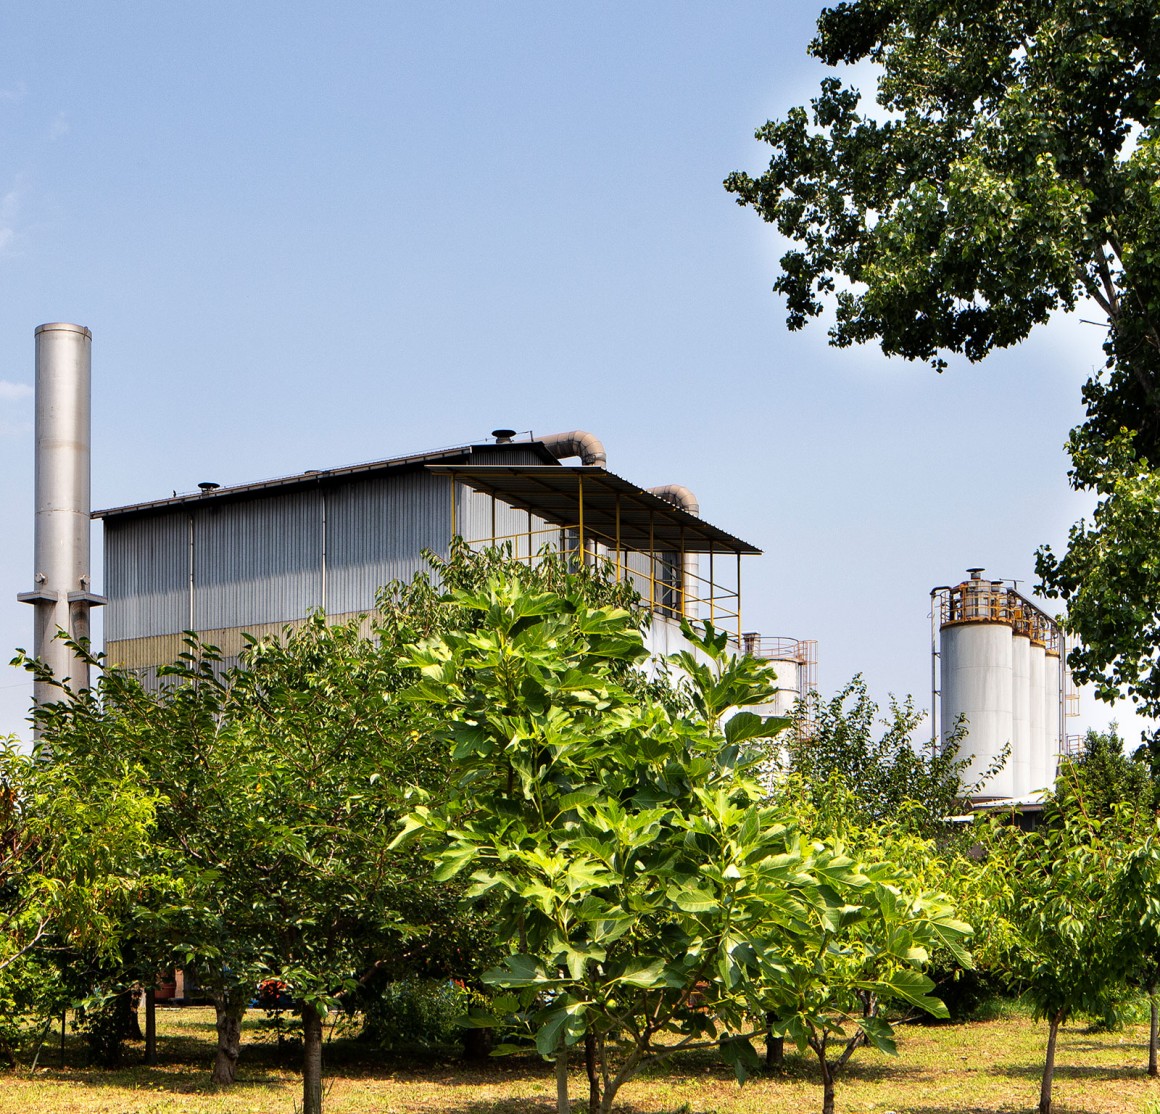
pixel 1110 574
pixel 1104 782
pixel 624 850
pixel 1008 172
pixel 853 767
pixel 1013 146
pixel 1072 920
pixel 418 1013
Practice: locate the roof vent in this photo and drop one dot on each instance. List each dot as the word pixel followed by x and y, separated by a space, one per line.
pixel 207 486
pixel 503 436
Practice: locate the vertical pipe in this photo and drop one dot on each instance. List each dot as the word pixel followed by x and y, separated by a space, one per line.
pixel 652 565
pixel 934 693
pixel 322 592
pixel 712 585
pixel 580 500
pixel 619 553
pixel 451 478
pixel 191 608
pixel 739 597
pixel 63 595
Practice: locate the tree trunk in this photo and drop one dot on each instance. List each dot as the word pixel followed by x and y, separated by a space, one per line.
pixel 311 1060
pixel 477 1044
pixel 774 1046
pixel 1153 1031
pixel 827 1077
pixel 827 1088
pixel 593 1074
pixel 133 1021
pixel 230 1006
pixel 1049 1066
pixel 150 1026
pixel 563 1106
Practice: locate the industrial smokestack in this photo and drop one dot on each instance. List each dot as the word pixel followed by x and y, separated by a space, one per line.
pixel 62 596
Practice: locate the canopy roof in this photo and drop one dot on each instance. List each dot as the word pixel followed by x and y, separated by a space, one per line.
pixel 612 507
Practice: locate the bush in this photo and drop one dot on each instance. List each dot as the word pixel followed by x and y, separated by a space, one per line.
pixel 417 1013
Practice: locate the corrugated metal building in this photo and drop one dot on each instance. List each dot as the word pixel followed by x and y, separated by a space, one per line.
pixel 255 557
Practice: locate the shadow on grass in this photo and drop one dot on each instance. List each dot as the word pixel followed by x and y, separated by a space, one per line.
pixel 1069 1071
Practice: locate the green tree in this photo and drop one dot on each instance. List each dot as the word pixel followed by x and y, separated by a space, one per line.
pixel 1102 778
pixel 76 859
pixel 1008 172
pixel 1061 931
pixel 1110 573
pixel 652 902
pixel 871 770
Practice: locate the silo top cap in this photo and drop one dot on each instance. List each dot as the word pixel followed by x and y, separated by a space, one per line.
pixel 63 327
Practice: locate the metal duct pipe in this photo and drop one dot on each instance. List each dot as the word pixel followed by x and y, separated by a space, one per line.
pixel 682 497
pixel 587 446
pixel 63 593
pixel 679 495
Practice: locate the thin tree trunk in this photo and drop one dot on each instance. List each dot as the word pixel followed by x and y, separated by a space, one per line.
pixel 311 1060
pixel 230 1006
pixel 774 1046
pixel 827 1076
pixel 562 1104
pixel 133 1017
pixel 827 1088
pixel 1049 1066
pixel 150 1026
pixel 1153 1031
pixel 593 1075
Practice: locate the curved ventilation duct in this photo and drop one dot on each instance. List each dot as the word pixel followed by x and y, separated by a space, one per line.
pixel 681 496
pixel 587 446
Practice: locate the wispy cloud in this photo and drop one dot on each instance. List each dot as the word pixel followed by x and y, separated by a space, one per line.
pixel 9 206
pixel 16 92
pixel 58 127
pixel 10 392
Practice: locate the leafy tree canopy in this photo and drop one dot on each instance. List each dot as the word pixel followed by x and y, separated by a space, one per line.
pixel 651 902
pixel 1008 172
pixel 854 767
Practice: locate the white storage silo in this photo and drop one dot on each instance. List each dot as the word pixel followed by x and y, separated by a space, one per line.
pixel 1038 777
pixel 1052 710
pixel 977 680
pixel 997 663
pixel 1021 711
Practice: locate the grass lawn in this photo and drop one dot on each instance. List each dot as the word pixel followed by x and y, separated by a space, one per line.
pixel 974 1067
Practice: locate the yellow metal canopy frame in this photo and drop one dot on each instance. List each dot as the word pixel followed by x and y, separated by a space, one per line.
pixel 595 514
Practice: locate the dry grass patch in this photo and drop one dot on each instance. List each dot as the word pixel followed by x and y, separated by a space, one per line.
pixel 975 1068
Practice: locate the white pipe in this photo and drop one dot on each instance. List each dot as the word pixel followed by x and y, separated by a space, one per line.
pixel 682 497
pixel 587 446
pixel 63 594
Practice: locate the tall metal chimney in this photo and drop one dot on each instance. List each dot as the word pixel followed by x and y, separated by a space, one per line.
pixel 62 596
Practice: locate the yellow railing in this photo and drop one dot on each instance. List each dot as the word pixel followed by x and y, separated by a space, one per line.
pixel 666 582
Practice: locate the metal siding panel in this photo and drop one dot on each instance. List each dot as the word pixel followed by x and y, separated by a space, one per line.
pixel 376 530
pixel 147 576
pixel 257 562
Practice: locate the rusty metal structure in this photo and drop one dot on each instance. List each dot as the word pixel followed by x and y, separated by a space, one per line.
pixel 999 662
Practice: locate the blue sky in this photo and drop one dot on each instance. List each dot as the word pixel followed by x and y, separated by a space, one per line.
pixel 308 236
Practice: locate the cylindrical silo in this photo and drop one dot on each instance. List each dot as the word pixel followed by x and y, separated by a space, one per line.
pixel 1052 711
pixel 976 682
pixel 1038 776
pixel 1020 760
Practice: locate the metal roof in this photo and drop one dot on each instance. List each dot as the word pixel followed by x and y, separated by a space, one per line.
pixel 646 521
pixel 314 476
